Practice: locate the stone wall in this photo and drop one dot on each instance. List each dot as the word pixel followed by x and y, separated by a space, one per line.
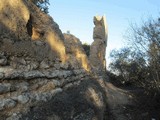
pixel 36 59
pixel 20 90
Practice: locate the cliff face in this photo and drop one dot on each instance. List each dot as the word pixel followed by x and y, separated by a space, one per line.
pixel 25 30
pixel 36 60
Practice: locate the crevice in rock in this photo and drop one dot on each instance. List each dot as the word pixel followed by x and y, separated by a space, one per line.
pixel 29 26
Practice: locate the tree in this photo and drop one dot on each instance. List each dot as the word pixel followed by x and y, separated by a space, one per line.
pixel 141 61
pixel 42 4
pixel 128 65
pixel 146 39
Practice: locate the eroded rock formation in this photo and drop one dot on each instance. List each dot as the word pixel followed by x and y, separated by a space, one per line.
pixel 38 62
pixel 98 47
pixel 76 53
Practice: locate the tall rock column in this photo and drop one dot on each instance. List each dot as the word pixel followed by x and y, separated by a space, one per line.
pixel 98 47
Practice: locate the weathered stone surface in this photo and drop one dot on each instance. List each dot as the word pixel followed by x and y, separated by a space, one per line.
pixel 64 66
pixel 57 66
pixel 3 60
pixel 74 47
pixel 98 47
pixel 34 66
pixel 57 74
pixel 15 116
pixel 50 73
pixel 1 75
pixel 79 71
pixel 48 86
pixel 41 97
pixel 44 64
pixel 12 74
pixel 19 63
pixel 56 83
pixel 55 91
pixel 9 103
pixel 33 74
pixel 23 98
pixel 86 115
pixel 24 86
pixel 4 88
pixel 1 104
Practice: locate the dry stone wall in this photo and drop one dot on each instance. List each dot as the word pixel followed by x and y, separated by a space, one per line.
pixel 20 90
pixel 36 60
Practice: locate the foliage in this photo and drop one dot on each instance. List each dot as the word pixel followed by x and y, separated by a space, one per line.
pixel 42 4
pixel 128 65
pixel 139 64
pixel 86 48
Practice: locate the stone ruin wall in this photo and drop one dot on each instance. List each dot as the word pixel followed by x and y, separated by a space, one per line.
pixel 36 60
pixel 98 47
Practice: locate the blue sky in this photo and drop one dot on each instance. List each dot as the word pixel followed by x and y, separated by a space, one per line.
pixel 77 17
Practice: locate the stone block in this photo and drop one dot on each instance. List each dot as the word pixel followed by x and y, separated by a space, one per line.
pixel 4 88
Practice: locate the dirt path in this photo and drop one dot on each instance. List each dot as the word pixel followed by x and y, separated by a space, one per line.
pixel 117 100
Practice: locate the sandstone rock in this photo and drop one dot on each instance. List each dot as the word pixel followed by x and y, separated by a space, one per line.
pixel 56 83
pixel 1 75
pixel 16 61
pixel 23 98
pixel 55 91
pixel 65 74
pixel 12 74
pixel 68 85
pixel 33 65
pixel 86 115
pixel 6 69
pixel 79 71
pixel 3 60
pixel 30 52
pixel 33 74
pixel 42 96
pixel 64 66
pixel 44 64
pixel 24 86
pixel 57 74
pixel 47 87
pixel 54 117
pixel 74 47
pixel 51 74
pixel 15 116
pixel 37 97
pixel 1 104
pixel 39 43
pixel 4 88
pixel 57 66
pixel 98 47
pixel 9 103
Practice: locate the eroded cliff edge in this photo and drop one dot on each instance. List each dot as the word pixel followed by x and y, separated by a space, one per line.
pixel 38 62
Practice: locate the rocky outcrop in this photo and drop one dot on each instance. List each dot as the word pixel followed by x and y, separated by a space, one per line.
pixel 76 54
pixel 25 30
pixel 36 60
pixel 38 63
pixel 98 47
